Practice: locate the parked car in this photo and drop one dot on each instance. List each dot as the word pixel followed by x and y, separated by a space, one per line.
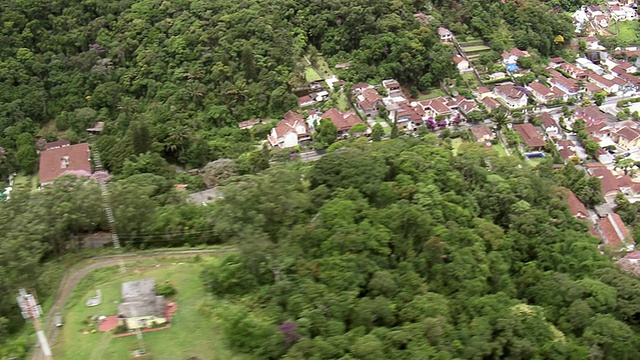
pixel 58 320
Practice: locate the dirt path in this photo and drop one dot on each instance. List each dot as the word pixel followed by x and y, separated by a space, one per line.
pixel 74 276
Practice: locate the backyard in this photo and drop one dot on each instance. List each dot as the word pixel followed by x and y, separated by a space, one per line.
pixel 191 334
pixel 628 32
pixel 431 94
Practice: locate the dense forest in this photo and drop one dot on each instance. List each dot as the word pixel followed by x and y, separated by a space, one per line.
pixel 182 74
pixel 400 250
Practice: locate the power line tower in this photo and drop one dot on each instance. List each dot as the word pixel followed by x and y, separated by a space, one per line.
pixel 32 310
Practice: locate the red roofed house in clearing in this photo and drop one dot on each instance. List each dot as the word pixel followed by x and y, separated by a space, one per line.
pixel 72 159
pixel 613 232
pixel 343 121
pixel 483 133
pixel 289 132
pixel 367 102
pixel 461 63
pixel 530 135
pixel 576 206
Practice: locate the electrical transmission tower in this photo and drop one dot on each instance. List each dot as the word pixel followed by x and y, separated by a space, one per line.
pixel 32 310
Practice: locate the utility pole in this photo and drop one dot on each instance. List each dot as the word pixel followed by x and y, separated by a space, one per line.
pixel 32 310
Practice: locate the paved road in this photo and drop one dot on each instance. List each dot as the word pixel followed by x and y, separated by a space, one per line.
pixel 73 277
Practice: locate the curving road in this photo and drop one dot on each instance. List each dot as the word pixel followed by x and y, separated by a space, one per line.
pixel 73 277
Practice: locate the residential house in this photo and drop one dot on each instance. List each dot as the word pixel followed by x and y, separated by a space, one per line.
pixel 445 35
pixel 628 67
pixel 530 135
pixel 573 71
pixel 623 85
pixel 497 76
pixel 64 160
pixel 141 307
pixel 483 92
pixel 587 64
pixel 613 232
pixel 467 106
pixel 97 128
pixel 409 117
pixel 622 13
pixel 511 57
pixel 591 89
pixel 594 10
pixel 343 121
pixel 627 137
pixel 630 263
pixel 461 63
pixel 590 114
pixel 437 109
pixel 393 88
pixel 248 124
pixel 607 85
pixel 592 43
pixel 632 81
pixel 576 207
pixel 543 94
pixel 368 101
pixel 490 103
pixel 602 20
pixel 483 134
pixel 306 100
pixel 290 132
pixel 512 96
pixel 549 125
pixel 569 86
pixel 556 62
pixel 566 150
pixel 609 183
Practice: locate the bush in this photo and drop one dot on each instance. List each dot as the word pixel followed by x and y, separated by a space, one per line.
pixel 120 329
pixel 166 289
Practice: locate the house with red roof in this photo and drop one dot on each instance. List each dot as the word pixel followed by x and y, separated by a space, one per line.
pixel 290 132
pixel 467 106
pixel 549 125
pixel 511 95
pixel 445 35
pixel 367 102
pixel 490 103
pixel 483 133
pixel 613 231
pixel 530 135
pixel 609 182
pixel 569 86
pixel 576 207
pixel 436 108
pixel 64 160
pixel 512 56
pixel 343 121
pixel 627 137
pixel 573 71
pixel 590 114
pixel 604 83
pixel 461 63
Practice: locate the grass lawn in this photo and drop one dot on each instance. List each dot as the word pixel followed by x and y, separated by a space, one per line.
pixel 342 102
pixel 430 94
pixel 191 333
pixel 500 149
pixel 455 144
pixel 311 75
pixel 475 48
pixel 385 125
pixel 628 32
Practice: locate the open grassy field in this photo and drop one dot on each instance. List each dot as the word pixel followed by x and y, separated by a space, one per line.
pixel 311 75
pixel 628 34
pixel 475 48
pixel 430 94
pixel 455 144
pixel 191 334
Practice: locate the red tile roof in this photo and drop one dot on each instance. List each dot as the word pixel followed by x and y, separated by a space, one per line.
pixel 247 124
pixel 490 103
pixel 608 181
pixel 625 181
pixel 481 131
pixel 547 121
pixel 510 91
pixel 67 159
pixel 576 206
pixel 438 105
pixel 530 135
pixel 591 114
pixel 613 230
pixel 628 133
pixel 343 121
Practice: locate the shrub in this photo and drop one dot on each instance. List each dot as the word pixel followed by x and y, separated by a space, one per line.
pixel 120 329
pixel 166 289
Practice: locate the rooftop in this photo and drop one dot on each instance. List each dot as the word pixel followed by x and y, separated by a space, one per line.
pixel 72 159
pixel 530 135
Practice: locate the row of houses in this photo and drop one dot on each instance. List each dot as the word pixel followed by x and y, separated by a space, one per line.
pixel 595 18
